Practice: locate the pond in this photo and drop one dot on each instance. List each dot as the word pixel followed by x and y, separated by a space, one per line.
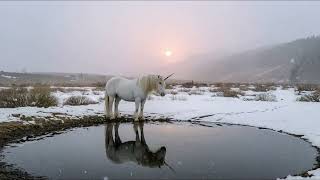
pixel 163 150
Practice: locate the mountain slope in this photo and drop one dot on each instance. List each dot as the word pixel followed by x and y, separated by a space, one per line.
pixel 297 61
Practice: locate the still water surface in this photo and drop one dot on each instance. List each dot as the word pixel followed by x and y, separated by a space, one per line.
pixel 164 150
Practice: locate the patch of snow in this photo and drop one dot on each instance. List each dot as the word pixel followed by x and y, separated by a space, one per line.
pixel 8 77
pixel 286 114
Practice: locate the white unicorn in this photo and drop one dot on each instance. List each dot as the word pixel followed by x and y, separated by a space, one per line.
pixel 135 90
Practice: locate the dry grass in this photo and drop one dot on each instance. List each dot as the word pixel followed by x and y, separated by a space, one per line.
pixel 196 91
pixel 99 84
pixel 67 90
pixel 214 89
pixel 41 97
pixel 244 88
pixel 307 87
pixel 172 91
pixel 169 86
pixel 186 90
pixel 225 91
pixel 21 97
pixel 313 97
pixel 78 100
pixel 265 97
pixel 178 98
pixel 97 92
pixel 192 84
pixel 99 88
pixel 232 93
pixel 13 97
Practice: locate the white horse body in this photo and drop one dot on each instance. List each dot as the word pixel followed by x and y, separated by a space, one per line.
pixel 126 89
pixel 135 90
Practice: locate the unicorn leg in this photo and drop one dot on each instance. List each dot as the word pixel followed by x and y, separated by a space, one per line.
pixel 107 109
pixel 111 99
pixel 135 127
pixel 116 134
pixel 136 117
pixel 109 135
pixel 141 109
pixel 116 104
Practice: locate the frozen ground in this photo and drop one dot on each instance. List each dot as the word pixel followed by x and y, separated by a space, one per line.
pixel 286 114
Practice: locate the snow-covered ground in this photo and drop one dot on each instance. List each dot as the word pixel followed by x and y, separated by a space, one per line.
pixel 9 77
pixel 284 114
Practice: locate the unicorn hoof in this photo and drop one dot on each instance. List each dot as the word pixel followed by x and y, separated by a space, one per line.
pixel 117 116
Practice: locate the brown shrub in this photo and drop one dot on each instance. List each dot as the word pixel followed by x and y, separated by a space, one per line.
pixel 13 97
pixel 41 97
pixel 188 84
pixel 169 86
pixel 99 84
pixel 232 93
pixel 78 100
pixel 244 87
pixel 21 97
pixel 264 87
pixel 313 97
pixel 227 92
pixel 306 87
pixel 184 90
pixel 66 90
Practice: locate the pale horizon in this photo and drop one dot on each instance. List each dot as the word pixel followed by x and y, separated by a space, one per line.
pixel 130 38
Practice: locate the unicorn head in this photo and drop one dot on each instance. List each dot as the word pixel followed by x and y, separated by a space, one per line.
pixel 154 83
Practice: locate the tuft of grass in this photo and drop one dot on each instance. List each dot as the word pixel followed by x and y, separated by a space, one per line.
pixel 225 91
pixel 169 86
pixel 244 88
pixel 232 93
pixel 264 87
pixel 196 91
pixel 97 92
pixel 78 100
pixel 67 90
pixel 178 98
pixel 260 88
pixel 21 97
pixel 99 88
pixel 214 89
pixel 186 90
pixel 13 97
pixel 313 97
pixel 265 97
pixel 41 97
pixel 172 91
pixel 306 87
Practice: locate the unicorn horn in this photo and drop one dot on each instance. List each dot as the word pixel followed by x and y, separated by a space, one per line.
pixel 171 168
pixel 168 76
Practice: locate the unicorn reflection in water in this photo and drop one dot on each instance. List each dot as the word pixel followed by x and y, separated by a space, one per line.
pixel 132 151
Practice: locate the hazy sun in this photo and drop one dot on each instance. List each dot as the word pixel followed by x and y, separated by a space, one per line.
pixel 167 52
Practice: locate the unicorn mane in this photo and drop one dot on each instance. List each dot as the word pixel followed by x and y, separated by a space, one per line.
pixel 147 83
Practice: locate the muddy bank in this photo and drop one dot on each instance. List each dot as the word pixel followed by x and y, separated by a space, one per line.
pixel 21 131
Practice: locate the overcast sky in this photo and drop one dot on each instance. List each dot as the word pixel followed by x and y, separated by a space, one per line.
pixel 130 37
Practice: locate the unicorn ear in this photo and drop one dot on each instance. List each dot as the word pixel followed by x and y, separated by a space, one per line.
pixel 168 76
